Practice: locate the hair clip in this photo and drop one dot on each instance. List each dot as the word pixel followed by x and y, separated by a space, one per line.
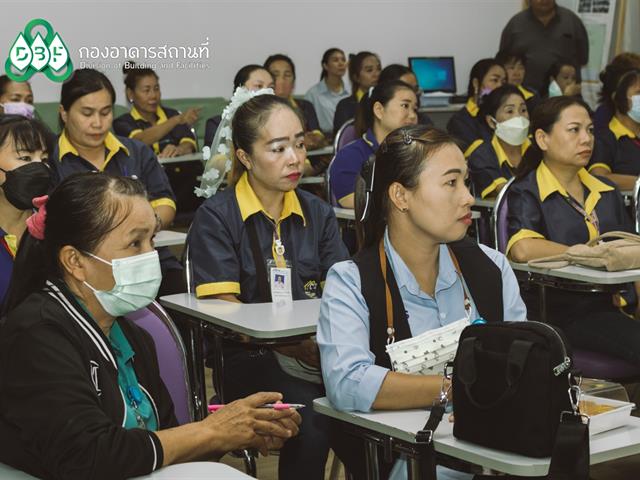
pixel 406 138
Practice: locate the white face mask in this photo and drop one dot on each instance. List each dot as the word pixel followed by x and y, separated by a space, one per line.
pixel 137 279
pixel 19 108
pixel 554 89
pixel 513 131
pixel 634 111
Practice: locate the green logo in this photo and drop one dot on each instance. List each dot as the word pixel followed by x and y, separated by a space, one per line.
pixel 32 54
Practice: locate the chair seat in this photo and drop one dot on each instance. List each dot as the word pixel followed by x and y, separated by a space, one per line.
pixel 600 365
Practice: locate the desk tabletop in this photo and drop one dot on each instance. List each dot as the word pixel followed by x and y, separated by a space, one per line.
pixel 349 213
pixel 262 321
pixel 165 238
pixel 196 471
pixel 190 157
pixel 403 425
pixel 452 107
pixel 317 179
pixel 484 202
pixel 328 150
pixel 583 274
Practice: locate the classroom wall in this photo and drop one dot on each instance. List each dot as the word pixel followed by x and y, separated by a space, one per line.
pixel 242 32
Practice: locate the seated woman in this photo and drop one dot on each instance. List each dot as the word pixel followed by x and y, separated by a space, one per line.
pixel 619 145
pixel 493 163
pixel 419 204
pixel 391 105
pixel 395 71
pixel 283 72
pixel 514 64
pixel 23 177
pixel 610 78
pixel 486 75
pixel 252 77
pixel 16 98
pixel 73 402
pixel 555 203
pixel 562 79
pixel 330 90
pixel 364 70
pixel 241 237
pixel 164 129
pixel 86 144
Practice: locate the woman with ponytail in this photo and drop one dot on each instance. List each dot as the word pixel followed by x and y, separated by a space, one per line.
pixel 386 107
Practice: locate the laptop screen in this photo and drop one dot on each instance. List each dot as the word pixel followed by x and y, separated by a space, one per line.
pixel 434 74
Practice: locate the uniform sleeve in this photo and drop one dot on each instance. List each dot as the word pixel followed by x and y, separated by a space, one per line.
pixel 344 170
pixel 48 395
pixel 485 172
pixel 210 129
pixel 351 378
pixel 310 117
pixel 155 179
pixel 216 266
pixel 332 248
pixel 125 126
pixel 524 218
pixel 342 114
pixel 182 133
pixel 604 151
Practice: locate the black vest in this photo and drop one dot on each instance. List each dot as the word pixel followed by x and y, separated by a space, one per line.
pixel 482 276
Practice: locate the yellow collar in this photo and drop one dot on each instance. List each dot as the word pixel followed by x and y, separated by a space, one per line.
pixel 525 93
pixel 548 183
pixel 500 153
pixel 111 143
pixel 619 130
pixel 359 95
pixel 249 203
pixel 472 107
pixel 162 117
pixel 292 102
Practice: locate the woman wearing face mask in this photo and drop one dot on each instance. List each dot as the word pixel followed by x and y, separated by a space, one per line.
pixel 364 70
pixel 619 156
pixel 493 163
pixel 261 222
pixel 391 105
pixel 486 75
pixel 252 77
pixel 418 205
pixel 80 388
pixel 86 144
pixel 23 177
pixel 555 203
pixel 562 79
pixel 610 79
pixel 16 98
pixel 166 130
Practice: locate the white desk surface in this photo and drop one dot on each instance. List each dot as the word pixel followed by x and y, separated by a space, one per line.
pixel 403 425
pixel 583 274
pixel 183 471
pixel 182 158
pixel 311 180
pixel 262 321
pixel 349 213
pixel 165 238
pixel 328 150
pixel 484 202
pixel 452 107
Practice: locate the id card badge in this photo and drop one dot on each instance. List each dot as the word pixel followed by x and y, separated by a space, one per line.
pixel 280 284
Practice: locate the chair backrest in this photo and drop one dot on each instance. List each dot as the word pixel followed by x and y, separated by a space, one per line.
pixel 500 219
pixel 172 357
pixel 636 204
pixel 346 134
pixel 327 184
pixel 188 266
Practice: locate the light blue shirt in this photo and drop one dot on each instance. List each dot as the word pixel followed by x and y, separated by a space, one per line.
pixel 351 378
pixel 325 102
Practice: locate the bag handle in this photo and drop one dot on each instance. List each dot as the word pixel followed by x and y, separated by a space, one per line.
pixel 516 360
pixel 615 234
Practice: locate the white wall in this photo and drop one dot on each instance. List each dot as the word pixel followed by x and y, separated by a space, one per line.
pixel 242 32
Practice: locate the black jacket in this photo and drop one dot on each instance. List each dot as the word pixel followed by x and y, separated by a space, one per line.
pixel 61 410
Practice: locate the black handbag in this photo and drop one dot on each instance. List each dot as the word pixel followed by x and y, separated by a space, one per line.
pixel 515 389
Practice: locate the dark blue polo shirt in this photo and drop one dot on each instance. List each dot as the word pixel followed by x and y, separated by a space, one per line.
pixel 489 167
pixel 467 127
pixel 220 248
pixel 8 246
pixel 619 150
pixel 131 123
pixel 348 163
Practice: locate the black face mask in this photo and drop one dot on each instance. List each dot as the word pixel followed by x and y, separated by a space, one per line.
pixel 25 183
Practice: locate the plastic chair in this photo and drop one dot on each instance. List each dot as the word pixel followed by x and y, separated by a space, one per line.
pixel 591 364
pixel 636 204
pixel 172 357
pixel 346 134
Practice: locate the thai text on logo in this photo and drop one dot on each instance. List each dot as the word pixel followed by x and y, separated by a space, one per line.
pixel 31 54
pixel 146 52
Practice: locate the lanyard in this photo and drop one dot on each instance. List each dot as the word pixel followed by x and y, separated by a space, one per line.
pixel 277 245
pixel 591 218
pixel 389 303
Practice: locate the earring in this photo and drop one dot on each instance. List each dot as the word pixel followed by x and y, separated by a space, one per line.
pixel 404 210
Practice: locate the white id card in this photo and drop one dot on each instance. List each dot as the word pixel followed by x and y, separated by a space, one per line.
pixel 280 281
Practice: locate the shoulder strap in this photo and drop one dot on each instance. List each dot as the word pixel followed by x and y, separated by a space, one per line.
pixel 482 276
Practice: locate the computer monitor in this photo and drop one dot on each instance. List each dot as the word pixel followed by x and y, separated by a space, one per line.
pixel 434 74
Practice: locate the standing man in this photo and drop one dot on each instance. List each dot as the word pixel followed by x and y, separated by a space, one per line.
pixel 545 33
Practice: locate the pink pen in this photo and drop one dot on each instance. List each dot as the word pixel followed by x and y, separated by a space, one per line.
pixel 274 406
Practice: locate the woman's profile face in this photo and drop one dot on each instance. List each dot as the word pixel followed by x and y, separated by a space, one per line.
pixel 440 205
pixel 495 77
pixel 17 92
pixel 337 64
pixel 566 77
pixel 277 158
pixel 515 72
pixel 400 111
pixel 259 79
pixel 633 90
pixel 369 72
pixel 89 119
pixel 570 141
pixel 283 78
pixel 146 95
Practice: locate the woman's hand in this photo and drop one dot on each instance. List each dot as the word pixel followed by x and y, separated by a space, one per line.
pixel 306 351
pixel 190 116
pixel 169 151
